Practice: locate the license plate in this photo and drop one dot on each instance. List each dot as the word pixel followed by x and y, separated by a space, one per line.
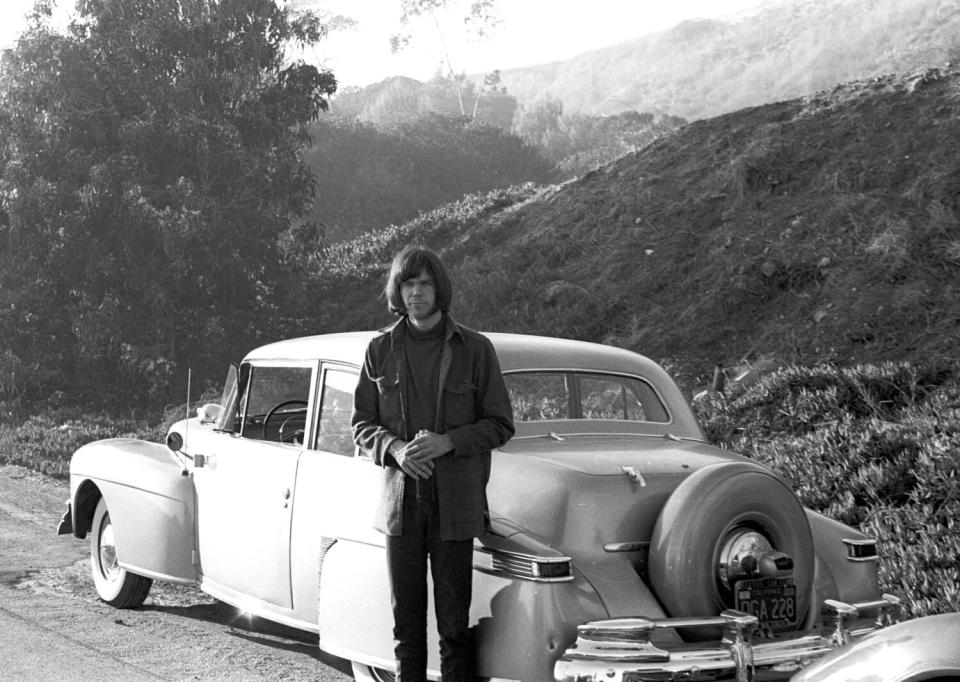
pixel 772 600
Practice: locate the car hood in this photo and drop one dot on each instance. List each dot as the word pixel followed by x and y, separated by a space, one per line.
pixel 594 493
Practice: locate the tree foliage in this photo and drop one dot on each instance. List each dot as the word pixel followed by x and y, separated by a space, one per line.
pixel 149 164
pixel 370 177
pixel 577 143
pixel 480 20
pixel 403 100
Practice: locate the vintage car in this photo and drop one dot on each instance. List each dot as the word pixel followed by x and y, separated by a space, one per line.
pixel 920 649
pixel 621 545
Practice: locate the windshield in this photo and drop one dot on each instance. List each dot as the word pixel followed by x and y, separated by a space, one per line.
pixel 547 396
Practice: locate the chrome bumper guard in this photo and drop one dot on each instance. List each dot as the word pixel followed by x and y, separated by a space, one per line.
pixel 620 650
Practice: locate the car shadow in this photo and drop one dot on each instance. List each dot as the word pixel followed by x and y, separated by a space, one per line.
pixel 255 630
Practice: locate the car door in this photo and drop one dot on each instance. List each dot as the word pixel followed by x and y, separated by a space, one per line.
pixel 245 488
pixel 352 595
pixel 346 484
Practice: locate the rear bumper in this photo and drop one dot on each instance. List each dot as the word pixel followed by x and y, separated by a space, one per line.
pixel 620 650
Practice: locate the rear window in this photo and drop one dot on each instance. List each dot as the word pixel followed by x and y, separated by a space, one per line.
pixel 546 396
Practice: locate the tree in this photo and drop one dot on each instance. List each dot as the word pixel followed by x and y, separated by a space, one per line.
pixel 398 101
pixel 150 161
pixel 577 143
pixel 493 105
pixel 370 177
pixel 540 125
pixel 481 18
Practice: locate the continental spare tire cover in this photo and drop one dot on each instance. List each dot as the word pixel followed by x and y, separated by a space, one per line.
pixel 711 506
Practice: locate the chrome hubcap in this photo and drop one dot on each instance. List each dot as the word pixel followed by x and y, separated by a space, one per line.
pixel 108 552
pixel 740 555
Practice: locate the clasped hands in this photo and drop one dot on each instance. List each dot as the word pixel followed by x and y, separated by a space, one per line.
pixel 416 456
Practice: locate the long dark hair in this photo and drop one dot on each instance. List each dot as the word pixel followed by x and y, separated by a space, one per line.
pixel 406 265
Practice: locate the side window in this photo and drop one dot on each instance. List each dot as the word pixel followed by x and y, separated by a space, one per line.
pixel 336 406
pixel 229 401
pixel 616 397
pixel 274 406
pixel 544 396
pixel 651 407
pixel 607 398
pixel 538 397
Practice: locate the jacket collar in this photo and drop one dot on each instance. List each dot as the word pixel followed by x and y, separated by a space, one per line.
pixel 397 329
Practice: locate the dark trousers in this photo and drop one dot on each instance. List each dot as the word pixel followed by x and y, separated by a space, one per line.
pixel 451 564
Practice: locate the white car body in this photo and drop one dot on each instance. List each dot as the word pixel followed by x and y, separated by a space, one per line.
pixel 562 588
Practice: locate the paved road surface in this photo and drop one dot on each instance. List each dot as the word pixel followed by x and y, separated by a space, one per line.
pixel 53 627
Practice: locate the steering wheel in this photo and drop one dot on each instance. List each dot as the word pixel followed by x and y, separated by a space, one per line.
pixel 273 410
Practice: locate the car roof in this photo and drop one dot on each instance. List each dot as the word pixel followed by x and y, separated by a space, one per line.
pixel 348 347
pixel 515 352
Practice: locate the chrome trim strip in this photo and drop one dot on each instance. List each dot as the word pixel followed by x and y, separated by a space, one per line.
pixel 857 550
pixel 637 546
pixel 618 434
pixel 519 565
pixel 325 544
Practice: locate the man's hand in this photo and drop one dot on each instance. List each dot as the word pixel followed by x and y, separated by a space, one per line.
pixel 422 450
pixel 413 467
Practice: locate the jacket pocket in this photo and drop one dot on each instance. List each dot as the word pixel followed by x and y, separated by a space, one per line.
pixel 388 396
pixel 458 404
pixel 386 384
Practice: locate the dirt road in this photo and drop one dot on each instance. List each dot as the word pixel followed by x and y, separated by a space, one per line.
pixel 54 627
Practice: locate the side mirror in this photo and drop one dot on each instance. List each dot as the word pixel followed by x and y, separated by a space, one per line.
pixel 209 413
pixel 175 443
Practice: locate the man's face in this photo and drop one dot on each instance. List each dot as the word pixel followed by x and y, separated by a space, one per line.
pixel 419 294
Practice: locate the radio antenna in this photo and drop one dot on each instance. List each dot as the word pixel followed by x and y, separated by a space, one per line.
pixel 186 426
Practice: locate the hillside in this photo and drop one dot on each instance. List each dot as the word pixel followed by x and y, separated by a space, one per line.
pixel 819 229
pixel 786 49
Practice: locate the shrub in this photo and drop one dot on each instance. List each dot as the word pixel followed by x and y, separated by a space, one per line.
pixel 46 442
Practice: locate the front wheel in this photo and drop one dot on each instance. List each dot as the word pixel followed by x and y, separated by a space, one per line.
pixel 115 585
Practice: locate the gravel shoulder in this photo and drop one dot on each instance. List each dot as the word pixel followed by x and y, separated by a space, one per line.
pixel 55 628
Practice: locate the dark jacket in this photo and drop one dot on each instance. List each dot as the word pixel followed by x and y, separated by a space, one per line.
pixel 473 409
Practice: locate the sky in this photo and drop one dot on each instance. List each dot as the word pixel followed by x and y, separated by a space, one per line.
pixel 531 32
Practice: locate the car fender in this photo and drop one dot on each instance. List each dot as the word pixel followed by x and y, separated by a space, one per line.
pixel 920 649
pixel 151 500
pixel 522 624
pixel 522 627
pixel 838 574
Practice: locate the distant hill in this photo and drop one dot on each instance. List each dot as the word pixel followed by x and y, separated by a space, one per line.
pixel 787 49
pixel 826 228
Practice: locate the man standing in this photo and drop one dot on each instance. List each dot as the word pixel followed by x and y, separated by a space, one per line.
pixel 430 405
